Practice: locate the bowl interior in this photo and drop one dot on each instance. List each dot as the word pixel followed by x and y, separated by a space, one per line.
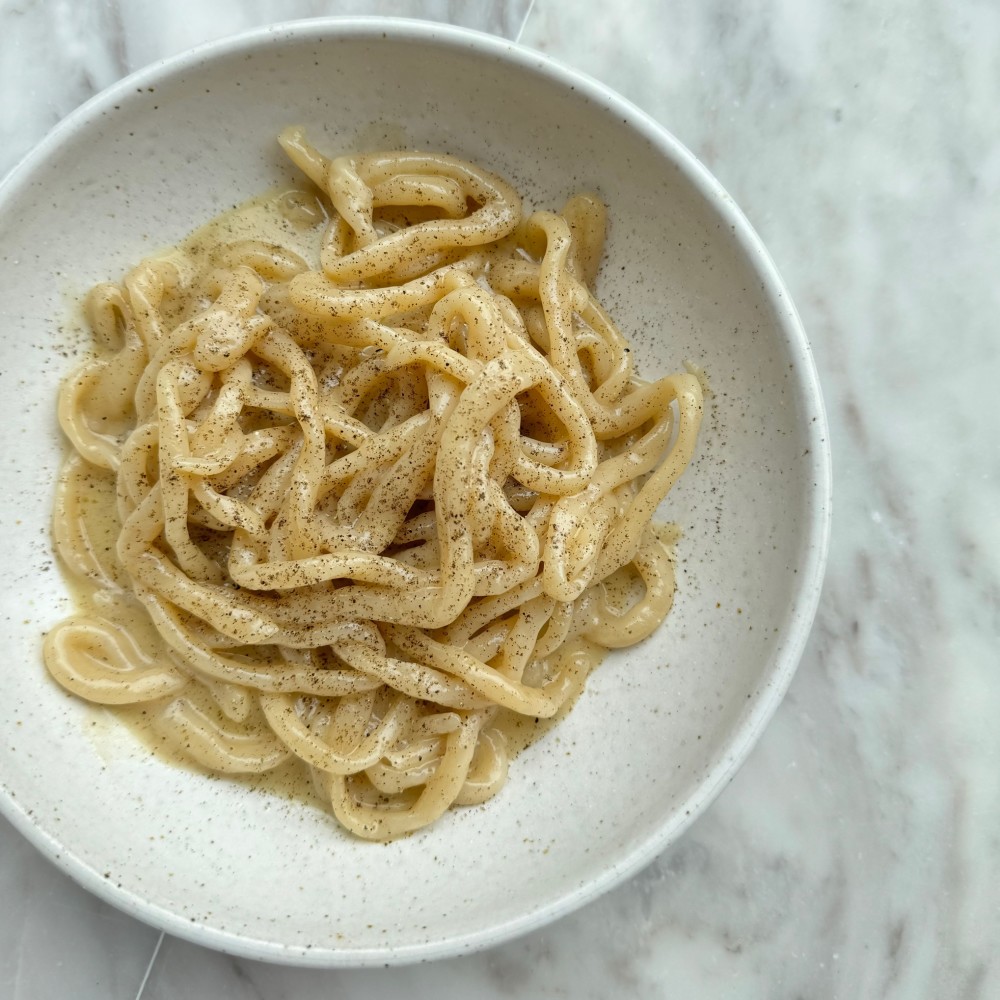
pixel 660 727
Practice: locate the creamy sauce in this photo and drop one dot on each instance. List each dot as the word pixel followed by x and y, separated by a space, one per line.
pixel 520 731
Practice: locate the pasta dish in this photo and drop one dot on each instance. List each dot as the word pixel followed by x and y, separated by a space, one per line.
pixel 362 475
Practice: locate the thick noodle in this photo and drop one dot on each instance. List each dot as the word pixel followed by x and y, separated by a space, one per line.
pixel 362 496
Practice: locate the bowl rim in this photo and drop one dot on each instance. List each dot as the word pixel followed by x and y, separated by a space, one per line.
pixel 815 546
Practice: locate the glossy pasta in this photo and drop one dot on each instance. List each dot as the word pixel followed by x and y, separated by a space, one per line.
pixel 363 495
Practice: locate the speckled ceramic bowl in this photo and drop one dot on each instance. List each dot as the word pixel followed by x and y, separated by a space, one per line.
pixel 661 727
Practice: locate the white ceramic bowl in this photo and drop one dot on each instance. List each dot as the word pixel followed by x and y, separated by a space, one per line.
pixel 159 153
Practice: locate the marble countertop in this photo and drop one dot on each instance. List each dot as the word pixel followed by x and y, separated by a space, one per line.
pixel 856 854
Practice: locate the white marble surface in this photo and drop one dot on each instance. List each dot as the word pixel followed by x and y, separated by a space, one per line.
pixel 857 853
